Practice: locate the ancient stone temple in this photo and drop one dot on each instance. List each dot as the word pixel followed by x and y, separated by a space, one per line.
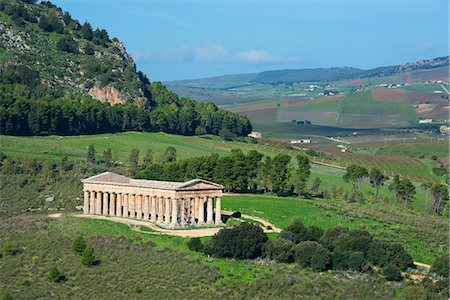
pixel 168 204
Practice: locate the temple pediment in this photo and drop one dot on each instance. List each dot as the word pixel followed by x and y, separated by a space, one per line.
pixel 199 185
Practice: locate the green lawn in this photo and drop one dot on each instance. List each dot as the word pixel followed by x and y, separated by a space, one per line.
pixel 121 144
pixel 424 236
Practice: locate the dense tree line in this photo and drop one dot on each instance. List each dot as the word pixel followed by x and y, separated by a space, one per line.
pixel 311 247
pixel 30 107
pixel 27 108
pixel 238 172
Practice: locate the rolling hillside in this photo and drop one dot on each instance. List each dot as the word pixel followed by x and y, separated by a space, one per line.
pixel 60 76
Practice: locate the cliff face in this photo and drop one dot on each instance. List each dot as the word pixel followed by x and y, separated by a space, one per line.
pixel 107 94
pixel 67 55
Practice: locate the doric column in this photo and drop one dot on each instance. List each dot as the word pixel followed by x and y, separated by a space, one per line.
pixel 86 202
pixel 160 209
pixel 132 205
pixel 119 205
pixel 183 212
pixel 146 208
pixel 201 211
pixel 125 198
pixel 153 209
pixel 112 204
pixel 174 211
pixel 92 203
pixel 196 207
pixel 138 206
pixel 105 203
pixel 167 212
pixel 209 211
pixel 192 211
pixel 218 211
pixel 98 203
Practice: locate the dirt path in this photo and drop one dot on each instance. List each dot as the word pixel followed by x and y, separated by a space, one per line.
pixel 135 225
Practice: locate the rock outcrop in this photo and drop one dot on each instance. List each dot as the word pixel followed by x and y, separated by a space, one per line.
pixel 107 94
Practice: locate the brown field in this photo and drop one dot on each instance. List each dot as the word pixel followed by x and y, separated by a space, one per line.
pixel 439 112
pixel 356 82
pixel 399 95
pixel 310 101
pixel 432 74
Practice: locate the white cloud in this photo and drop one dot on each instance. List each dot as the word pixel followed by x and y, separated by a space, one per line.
pixel 213 53
pixel 428 47
pixel 210 53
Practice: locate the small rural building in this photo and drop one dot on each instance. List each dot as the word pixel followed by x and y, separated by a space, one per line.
pixel 255 134
pixel 166 203
pixel 425 121
pixel 300 142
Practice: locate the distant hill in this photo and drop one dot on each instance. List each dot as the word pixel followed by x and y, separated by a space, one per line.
pixel 344 73
pixel 247 87
pixel 59 76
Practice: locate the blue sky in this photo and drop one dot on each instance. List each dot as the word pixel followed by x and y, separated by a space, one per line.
pixel 181 39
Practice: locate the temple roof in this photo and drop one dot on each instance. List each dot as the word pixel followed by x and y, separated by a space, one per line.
pixel 116 179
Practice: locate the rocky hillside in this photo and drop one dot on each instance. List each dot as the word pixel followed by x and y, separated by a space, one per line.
pixel 53 68
pixel 66 53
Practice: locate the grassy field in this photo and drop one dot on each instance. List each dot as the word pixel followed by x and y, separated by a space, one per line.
pixel 418 232
pixel 143 266
pixel 121 144
pixel 355 109
pixel 439 148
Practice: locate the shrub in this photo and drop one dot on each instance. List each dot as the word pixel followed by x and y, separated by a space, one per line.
pixel 378 253
pixel 355 260
pixel 55 275
pixel 242 241
pixel 312 254
pixel 330 235
pixel 88 257
pixel 296 232
pixel 9 248
pixel 280 249
pixel 6 295
pixel 195 244
pixel 354 240
pixel 67 44
pixel 392 273
pixel 441 266
pixel 79 245
pixel 398 256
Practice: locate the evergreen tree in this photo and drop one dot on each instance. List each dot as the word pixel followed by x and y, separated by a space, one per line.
pixel 107 157
pixel 133 162
pixel 91 154
pixel 86 31
pixel 377 180
pixel 88 257
pixel 302 174
pixel 280 174
pixel 169 155
pixel 79 245
pixel 148 157
pixel 54 274
pixel 439 196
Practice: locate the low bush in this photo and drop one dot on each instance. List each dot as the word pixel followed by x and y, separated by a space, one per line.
pixel 441 266
pixel 242 241
pixel 280 249
pixel 392 273
pixel 195 244
pixel 312 254
pixel 55 275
